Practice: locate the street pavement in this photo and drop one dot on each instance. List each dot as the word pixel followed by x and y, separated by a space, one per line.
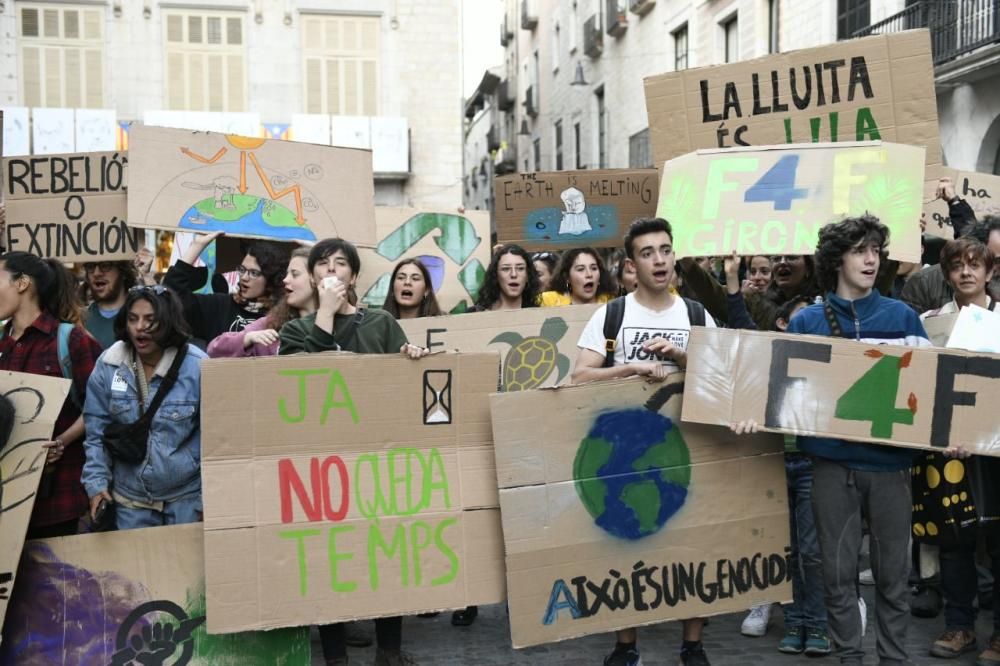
pixel 434 641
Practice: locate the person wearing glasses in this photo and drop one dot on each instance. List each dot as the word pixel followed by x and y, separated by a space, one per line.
pixel 545 266
pixel 261 273
pixel 511 281
pixel 40 303
pixel 161 485
pixel 107 283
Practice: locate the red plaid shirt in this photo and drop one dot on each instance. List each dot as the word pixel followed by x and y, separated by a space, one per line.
pixel 37 352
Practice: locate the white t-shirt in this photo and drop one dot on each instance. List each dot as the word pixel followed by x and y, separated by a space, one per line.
pixel 639 325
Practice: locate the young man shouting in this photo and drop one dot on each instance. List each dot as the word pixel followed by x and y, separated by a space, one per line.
pixel 651 343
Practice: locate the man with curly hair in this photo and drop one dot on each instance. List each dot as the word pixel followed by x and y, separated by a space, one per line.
pixel 853 479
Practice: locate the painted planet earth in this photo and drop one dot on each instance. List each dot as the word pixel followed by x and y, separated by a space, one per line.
pixel 245 214
pixel 632 472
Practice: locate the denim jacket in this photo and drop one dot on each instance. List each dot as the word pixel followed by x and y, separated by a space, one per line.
pixel 172 468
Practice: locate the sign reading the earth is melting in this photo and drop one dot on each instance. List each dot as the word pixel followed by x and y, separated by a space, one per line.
pixel 454 248
pixel 249 187
pixel 129 597
pixel 566 209
pixel 775 199
pixel 537 345
pixel 68 207
pixel 342 486
pixel 830 387
pixel 627 517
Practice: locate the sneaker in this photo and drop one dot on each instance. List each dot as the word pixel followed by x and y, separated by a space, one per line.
pixel 817 642
pixel 694 657
pixel 793 642
pixel 464 618
pixel 953 643
pixel 623 657
pixel 385 657
pixel 863 609
pixel 991 655
pixel 757 621
pixel 866 577
pixel 354 638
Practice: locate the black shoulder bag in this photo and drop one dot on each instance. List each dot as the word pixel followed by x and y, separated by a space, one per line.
pixel 127 442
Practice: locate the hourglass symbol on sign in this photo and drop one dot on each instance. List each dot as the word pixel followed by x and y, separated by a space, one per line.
pixel 437 397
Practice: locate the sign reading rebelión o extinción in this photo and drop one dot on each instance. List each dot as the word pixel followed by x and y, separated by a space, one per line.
pixel 627 516
pixel 336 503
pixel 775 199
pixel 830 387
pixel 69 207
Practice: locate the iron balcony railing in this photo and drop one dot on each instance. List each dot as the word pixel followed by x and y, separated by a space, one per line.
pixel 957 27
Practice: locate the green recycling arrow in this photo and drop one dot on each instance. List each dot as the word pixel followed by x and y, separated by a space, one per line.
pixel 458 237
pixel 471 276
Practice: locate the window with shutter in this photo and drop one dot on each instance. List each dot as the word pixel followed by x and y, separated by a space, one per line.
pixel 205 61
pixel 62 55
pixel 341 63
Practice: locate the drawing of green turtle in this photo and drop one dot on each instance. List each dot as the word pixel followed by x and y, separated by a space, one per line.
pixel 530 361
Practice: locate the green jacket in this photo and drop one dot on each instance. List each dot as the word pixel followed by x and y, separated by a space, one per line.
pixel 376 333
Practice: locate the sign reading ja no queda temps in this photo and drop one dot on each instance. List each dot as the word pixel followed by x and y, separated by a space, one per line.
pixel 775 199
pixel 69 207
pixel 356 509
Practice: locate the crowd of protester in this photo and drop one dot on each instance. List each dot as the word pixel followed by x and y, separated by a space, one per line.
pixel 126 449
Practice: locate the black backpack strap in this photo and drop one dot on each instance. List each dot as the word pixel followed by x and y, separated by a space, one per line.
pixel 168 383
pixel 831 319
pixel 614 315
pixel 993 305
pixel 696 312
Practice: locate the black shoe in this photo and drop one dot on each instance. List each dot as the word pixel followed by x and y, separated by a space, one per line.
pixel 623 657
pixel 464 618
pixel 926 602
pixel 427 615
pixel 694 657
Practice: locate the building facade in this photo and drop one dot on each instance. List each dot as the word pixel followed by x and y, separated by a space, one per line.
pixel 383 74
pixel 576 67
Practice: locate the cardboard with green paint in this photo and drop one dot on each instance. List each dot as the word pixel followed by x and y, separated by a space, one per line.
pixel 924 398
pixel 129 597
pixel 537 346
pixel 774 199
pixel 340 486
pixel 455 248
pixel 627 517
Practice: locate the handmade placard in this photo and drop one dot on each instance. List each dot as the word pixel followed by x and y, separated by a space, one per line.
pixel 565 209
pixel 249 186
pixel 129 598
pixel 615 514
pixel 537 346
pixel 925 398
pixel 341 486
pixel 37 400
pixel 775 199
pixel 455 248
pixel 69 207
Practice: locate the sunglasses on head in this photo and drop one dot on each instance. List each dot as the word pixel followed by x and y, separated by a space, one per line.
pixel 542 256
pixel 157 289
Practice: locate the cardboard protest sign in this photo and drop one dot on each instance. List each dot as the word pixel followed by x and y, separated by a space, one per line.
pixel 939 328
pixel 249 186
pixel 537 345
pixel 879 87
pixel 980 190
pixel 565 209
pixel 69 207
pixel 923 398
pixel 340 486
pixel 130 597
pixel 775 199
pixel 626 517
pixel 37 400
pixel 455 248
